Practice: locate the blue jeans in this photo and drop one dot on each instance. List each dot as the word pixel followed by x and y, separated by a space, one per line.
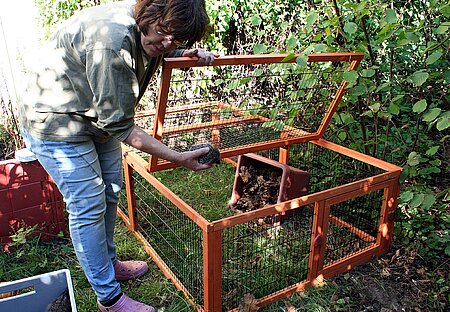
pixel 89 176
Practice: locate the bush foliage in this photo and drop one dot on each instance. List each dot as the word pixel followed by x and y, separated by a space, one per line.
pixel 397 107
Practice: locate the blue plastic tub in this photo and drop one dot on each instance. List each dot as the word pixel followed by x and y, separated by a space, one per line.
pixel 37 293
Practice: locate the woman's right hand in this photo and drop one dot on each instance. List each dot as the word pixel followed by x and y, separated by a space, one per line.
pixel 190 159
pixel 141 140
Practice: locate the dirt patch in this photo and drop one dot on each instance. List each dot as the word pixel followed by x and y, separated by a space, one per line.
pixel 397 281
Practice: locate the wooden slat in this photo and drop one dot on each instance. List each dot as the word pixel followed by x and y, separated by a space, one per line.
pixel 321 260
pixel 211 124
pixel 124 218
pixel 337 99
pixel 230 161
pixel 161 109
pixel 317 240
pixel 131 195
pixel 182 62
pixel 348 263
pixel 356 193
pixel 357 155
pixel 283 155
pixel 352 229
pixel 276 296
pixel 332 109
pixel 215 133
pixel 336 56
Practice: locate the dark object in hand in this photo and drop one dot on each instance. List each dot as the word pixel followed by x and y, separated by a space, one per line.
pixel 212 157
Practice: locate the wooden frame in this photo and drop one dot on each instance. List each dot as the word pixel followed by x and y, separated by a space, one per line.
pixel 322 201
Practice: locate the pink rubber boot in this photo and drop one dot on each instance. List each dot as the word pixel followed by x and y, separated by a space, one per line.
pixel 126 304
pixel 126 270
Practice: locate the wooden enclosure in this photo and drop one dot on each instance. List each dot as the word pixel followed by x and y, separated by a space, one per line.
pixel 280 109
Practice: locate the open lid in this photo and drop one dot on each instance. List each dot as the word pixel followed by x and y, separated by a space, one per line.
pixel 247 103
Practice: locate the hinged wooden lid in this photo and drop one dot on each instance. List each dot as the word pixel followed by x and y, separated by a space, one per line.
pixel 247 103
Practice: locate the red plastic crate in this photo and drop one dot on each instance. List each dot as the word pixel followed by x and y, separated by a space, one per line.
pixel 28 196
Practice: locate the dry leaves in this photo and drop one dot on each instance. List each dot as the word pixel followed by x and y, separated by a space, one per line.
pixel 261 188
pixel 290 307
pixel 248 304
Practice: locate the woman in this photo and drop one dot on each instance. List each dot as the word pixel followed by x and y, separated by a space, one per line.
pixel 79 107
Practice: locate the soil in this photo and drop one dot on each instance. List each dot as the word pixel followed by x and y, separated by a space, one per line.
pixel 397 281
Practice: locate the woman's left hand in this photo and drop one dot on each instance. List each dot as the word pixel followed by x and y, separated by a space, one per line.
pixel 204 57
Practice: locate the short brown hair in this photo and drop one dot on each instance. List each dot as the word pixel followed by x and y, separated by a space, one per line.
pixel 186 20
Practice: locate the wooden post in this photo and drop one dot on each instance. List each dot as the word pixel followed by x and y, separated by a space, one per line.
pixel 387 216
pixel 318 241
pixel 284 155
pixel 131 195
pixel 160 114
pixel 212 270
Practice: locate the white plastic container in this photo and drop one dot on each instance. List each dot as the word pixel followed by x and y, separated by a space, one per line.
pixel 37 293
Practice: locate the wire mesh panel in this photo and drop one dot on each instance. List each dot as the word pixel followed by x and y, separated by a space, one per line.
pixel 260 258
pixel 176 239
pixel 247 102
pixel 353 226
pixel 122 205
pixel 327 168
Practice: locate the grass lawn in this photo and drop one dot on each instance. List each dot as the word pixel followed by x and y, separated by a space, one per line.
pixel 398 281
